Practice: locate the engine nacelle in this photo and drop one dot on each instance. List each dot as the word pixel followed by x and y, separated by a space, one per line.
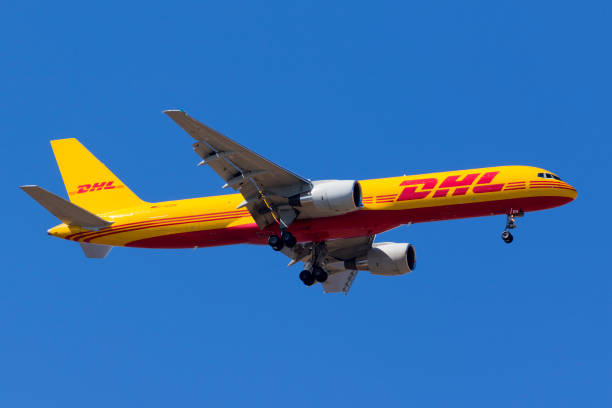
pixel 337 196
pixel 386 258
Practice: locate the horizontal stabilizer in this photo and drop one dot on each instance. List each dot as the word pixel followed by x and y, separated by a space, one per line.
pixel 95 250
pixel 68 213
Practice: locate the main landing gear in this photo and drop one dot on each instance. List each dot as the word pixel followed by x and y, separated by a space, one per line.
pixel 315 273
pixel 308 276
pixel 285 240
pixel 318 274
pixel 510 224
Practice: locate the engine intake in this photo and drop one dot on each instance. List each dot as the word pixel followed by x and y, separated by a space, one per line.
pixel 386 258
pixel 338 196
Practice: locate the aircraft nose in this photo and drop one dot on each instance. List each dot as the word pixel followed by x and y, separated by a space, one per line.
pixel 567 190
pixel 574 192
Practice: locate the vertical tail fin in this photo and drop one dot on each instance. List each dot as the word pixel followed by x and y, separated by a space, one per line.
pixel 89 183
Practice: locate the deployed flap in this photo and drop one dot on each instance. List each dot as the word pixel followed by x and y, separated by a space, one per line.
pixel 339 282
pixel 95 250
pixel 344 250
pixel 261 182
pixel 67 212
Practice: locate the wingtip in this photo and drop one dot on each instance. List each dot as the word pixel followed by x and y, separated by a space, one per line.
pixel 169 111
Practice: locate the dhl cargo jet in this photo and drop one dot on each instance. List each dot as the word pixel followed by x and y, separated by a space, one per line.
pixel 329 225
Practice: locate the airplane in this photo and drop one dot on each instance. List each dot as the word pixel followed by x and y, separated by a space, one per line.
pixel 328 225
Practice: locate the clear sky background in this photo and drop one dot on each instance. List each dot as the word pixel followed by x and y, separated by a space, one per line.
pixel 347 90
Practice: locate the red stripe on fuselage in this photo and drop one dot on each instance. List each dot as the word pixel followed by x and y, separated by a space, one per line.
pixel 358 223
pixel 118 227
pixel 157 225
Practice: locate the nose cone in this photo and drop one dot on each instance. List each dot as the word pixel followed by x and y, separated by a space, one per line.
pixel 549 190
pixel 564 192
pixel 574 192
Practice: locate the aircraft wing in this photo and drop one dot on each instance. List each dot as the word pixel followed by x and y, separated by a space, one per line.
pixel 262 183
pixel 337 251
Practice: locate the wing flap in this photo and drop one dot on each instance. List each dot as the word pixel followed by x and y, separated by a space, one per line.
pixel 340 282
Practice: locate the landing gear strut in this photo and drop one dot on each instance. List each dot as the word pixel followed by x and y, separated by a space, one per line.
pixel 510 224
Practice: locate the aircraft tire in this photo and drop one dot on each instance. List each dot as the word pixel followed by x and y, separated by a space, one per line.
pixel 307 278
pixel 288 239
pixel 319 274
pixel 275 242
pixel 507 237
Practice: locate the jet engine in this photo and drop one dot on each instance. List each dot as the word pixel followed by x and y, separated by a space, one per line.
pixel 336 196
pixel 386 258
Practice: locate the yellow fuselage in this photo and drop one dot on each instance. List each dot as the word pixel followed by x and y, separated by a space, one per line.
pixel 387 203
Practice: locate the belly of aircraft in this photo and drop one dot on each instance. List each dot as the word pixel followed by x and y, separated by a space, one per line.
pixel 359 223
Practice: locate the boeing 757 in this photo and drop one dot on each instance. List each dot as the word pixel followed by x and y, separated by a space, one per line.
pixel 328 225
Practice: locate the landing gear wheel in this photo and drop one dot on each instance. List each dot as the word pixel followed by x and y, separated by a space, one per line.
pixel 319 274
pixel 275 242
pixel 507 237
pixel 288 239
pixel 307 278
pixel 511 224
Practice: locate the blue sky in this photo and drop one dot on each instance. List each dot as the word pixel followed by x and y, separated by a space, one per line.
pixel 348 90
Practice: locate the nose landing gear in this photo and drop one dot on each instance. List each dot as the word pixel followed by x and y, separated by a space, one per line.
pixel 507 237
pixel 510 224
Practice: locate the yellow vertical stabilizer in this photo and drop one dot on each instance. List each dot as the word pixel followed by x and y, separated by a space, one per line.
pixel 89 183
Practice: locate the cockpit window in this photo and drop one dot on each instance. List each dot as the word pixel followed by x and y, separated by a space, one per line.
pixel 549 175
